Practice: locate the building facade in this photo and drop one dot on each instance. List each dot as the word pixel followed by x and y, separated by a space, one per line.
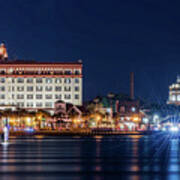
pixel 174 93
pixel 38 85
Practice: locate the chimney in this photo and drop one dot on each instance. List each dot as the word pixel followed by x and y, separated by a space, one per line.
pixel 132 85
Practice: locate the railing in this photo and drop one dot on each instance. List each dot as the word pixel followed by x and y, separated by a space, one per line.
pixel 37 73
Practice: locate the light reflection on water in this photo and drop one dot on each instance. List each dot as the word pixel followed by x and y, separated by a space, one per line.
pixel 128 157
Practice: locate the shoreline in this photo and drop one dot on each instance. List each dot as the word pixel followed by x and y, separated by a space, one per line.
pixel 83 134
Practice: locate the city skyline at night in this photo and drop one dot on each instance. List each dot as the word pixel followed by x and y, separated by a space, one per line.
pixel 112 39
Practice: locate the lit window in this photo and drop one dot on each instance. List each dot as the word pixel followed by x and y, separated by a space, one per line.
pixel 30 80
pixel 39 80
pixel 2 80
pixel 76 88
pixel 48 80
pixel 76 96
pixel 58 88
pixel 30 88
pixel 2 88
pixel 38 104
pixel 67 80
pixel 20 96
pixel 48 104
pixel 39 88
pixel 48 96
pixel 178 97
pixel 76 80
pixel 67 88
pixel 48 88
pixel 39 96
pixel 2 96
pixel 77 72
pixel 20 104
pixel 30 104
pixel 30 96
pixel 20 80
pixel 67 72
pixel 58 80
pixel 67 96
pixel 58 96
pixel 20 88
pixel 173 98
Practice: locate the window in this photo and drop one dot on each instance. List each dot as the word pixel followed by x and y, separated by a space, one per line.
pixel 67 72
pixel 2 88
pixel 39 80
pixel 178 97
pixel 39 96
pixel 77 72
pixel 76 96
pixel 30 88
pixel 48 104
pixel 29 80
pixel 48 96
pixel 20 96
pixel 20 80
pixel 38 104
pixel 2 80
pixel 30 104
pixel 2 96
pixel 48 88
pixel 20 88
pixel 58 80
pixel 76 80
pixel 48 80
pixel 20 104
pixel 67 80
pixel 173 97
pixel 30 96
pixel 58 96
pixel 67 88
pixel 76 88
pixel 67 96
pixel 58 88
pixel 39 88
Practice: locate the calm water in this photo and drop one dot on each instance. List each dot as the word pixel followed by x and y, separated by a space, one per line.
pixel 113 157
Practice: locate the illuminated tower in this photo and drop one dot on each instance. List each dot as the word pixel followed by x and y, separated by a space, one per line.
pixel 174 93
pixel 3 52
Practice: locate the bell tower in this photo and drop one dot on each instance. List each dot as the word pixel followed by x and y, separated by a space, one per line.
pixel 3 52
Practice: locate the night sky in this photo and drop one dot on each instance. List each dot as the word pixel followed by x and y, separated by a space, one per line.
pixel 112 38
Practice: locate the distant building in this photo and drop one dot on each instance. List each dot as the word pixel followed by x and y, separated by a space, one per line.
pixel 38 85
pixel 174 93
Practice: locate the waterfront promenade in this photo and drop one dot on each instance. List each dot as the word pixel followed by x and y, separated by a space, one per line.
pixel 78 133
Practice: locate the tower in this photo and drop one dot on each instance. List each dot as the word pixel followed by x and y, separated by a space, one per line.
pixel 132 85
pixel 3 52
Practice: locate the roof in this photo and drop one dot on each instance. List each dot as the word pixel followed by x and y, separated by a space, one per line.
pixel 79 62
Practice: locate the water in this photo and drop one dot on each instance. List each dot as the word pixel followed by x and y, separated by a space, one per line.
pixel 75 158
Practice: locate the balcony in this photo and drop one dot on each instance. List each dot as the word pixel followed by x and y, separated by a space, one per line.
pixel 39 73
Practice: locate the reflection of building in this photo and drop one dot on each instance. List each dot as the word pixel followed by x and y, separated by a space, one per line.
pixel 37 85
pixel 174 93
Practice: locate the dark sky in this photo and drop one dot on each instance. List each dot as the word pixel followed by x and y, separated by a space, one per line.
pixel 112 38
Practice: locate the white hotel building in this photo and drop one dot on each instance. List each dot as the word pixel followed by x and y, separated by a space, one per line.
pixel 38 85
